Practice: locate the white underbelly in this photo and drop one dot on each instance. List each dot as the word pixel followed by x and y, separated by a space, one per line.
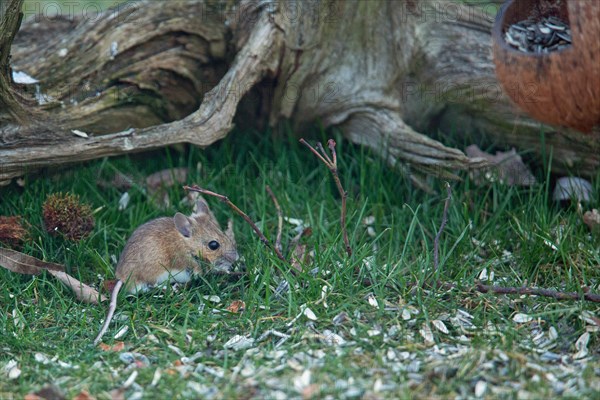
pixel 182 276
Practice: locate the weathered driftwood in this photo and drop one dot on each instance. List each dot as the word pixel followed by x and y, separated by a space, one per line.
pixel 381 71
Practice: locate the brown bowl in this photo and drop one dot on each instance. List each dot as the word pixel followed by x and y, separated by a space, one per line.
pixel 560 87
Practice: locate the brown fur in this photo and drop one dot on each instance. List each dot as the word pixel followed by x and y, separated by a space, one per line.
pixel 171 247
pixel 158 246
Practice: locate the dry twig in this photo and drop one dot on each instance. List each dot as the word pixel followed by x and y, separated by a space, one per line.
pixel 279 218
pixel 331 164
pixel 242 214
pixel 555 294
pixel 521 290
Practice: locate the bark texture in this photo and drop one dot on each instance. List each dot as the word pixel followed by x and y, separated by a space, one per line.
pixel 148 75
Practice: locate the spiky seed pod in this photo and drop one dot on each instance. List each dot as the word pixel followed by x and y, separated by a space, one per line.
pixel 12 231
pixel 64 214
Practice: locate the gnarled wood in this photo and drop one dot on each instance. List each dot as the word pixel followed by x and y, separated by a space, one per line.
pixel 381 71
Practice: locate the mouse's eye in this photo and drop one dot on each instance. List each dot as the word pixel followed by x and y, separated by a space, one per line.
pixel 213 245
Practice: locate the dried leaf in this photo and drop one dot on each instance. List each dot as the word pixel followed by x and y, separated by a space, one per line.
pixel 592 220
pixel 82 291
pixel 311 391
pixel 236 306
pixel 117 394
pixel 23 264
pixel 166 178
pixel 507 167
pixel 84 395
pixel 299 257
pixel 46 393
pixel 118 346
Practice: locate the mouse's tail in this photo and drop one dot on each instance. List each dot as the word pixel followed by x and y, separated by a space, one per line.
pixel 111 311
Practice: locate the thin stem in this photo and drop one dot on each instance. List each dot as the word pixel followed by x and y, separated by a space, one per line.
pixel 279 218
pixel 315 152
pixel 331 164
pixel 242 214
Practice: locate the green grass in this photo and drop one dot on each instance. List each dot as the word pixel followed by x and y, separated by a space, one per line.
pixel 497 228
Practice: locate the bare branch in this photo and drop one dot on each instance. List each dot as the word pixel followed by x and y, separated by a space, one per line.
pixel 555 294
pixel 331 164
pixel 242 214
pixel 279 218
pixel 521 290
pixel 326 162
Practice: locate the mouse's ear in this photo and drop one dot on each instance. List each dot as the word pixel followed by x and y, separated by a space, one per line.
pixel 229 232
pixel 201 209
pixel 183 224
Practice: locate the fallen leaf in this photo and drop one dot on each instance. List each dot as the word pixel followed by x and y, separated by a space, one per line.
pixel 506 167
pixel 48 392
pixel 166 178
pixel 311 391
pixel 298 257
pixel 84 395
pixel 592 220
pixel 24 264
pixel 236 306
pixel 82 291
pixel 118 346
pixel 28 265
pixel 117 394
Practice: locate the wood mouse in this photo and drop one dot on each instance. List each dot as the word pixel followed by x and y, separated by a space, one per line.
pixel 172 249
